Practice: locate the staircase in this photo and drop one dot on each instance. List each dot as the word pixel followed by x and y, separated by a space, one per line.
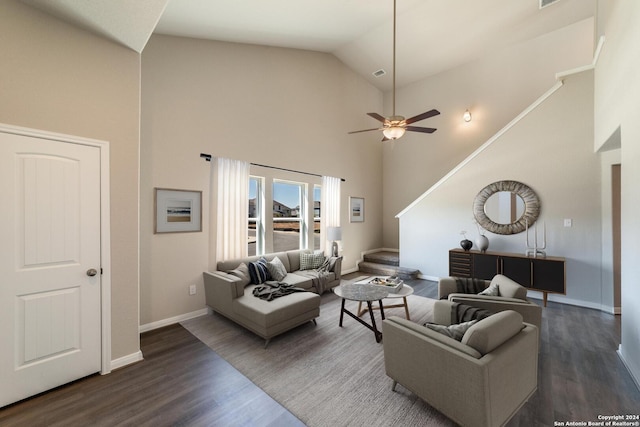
pixel 385 263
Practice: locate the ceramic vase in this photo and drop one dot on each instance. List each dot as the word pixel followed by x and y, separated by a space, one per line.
pixel 482 242
pixel 466 244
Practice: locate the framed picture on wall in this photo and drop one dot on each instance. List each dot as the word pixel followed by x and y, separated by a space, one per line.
pixel 356 209
pixel 177 211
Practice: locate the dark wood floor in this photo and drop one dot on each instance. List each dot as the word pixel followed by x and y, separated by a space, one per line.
pixel 182 382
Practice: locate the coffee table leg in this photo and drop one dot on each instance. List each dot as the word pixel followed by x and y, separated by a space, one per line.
pixel 381 309
pixel 406 307
pixel 341 312
pixel 376 332
pixel 360 310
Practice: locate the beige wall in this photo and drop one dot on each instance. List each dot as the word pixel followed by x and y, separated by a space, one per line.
pixel 495 89
pixel 610 293
pixel 550 150
pixel 617 90
pixel 281 107
pixel 58 78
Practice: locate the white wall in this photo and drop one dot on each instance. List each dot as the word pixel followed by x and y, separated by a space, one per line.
pixel 280 107
pixel 495 89
pixel 617 90
pixel 550 150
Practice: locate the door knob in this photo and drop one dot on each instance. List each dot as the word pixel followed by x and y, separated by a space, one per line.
pixel 92 272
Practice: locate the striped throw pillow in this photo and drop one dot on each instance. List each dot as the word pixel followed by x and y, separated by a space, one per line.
pixel 258 271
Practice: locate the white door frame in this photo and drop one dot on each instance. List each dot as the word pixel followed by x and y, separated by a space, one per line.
pixel 105 226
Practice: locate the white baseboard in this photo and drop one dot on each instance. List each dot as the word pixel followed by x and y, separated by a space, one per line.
pixel 569 301
pixel 126 360
pixel 137 356
pixel 172 320
pixel 626 365
pixel 554 298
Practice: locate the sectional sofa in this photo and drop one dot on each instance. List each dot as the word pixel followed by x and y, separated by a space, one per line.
pixel 230 294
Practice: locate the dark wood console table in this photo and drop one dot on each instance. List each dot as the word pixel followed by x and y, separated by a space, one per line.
pixel 546 275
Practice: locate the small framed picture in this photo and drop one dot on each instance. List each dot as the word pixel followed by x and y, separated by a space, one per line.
pixel 356 209
pixel 178 211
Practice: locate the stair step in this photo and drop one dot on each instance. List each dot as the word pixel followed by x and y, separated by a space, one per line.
pixel 383 257
pixel 387 270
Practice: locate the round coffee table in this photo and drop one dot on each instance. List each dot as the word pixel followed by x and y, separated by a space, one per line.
pixel 362 293
pixel 403 293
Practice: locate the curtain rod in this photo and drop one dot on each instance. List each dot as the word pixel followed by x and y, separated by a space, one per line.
pixel 207 157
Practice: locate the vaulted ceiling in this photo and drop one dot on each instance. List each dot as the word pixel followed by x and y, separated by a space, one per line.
pixel 432 35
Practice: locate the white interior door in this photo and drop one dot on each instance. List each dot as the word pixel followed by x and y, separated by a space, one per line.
pixel 50 330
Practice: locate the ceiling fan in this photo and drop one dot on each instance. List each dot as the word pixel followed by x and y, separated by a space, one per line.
pixel 393 127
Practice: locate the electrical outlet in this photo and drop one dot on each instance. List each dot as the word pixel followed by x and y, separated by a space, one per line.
pixel 568 222
pixel 192 289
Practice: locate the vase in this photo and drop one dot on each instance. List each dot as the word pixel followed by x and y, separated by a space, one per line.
pixel 482 242
pixel 466 244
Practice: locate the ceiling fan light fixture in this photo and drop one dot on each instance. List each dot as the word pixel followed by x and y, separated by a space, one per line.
pixel 393 132
pixel 394 127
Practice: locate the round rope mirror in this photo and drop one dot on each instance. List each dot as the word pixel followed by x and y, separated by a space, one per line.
pixel 515 225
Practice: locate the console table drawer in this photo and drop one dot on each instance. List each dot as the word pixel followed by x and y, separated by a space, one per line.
pixel 460 264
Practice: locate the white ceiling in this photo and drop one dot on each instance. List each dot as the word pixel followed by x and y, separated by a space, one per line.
pixel 432 35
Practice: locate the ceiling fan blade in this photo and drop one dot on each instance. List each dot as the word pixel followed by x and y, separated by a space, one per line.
pixel 364 130
pixel 420 129
pixel 377 116
pixel 422 116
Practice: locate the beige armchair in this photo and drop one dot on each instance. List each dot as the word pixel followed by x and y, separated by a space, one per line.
pixel 481 381
pixel 512 296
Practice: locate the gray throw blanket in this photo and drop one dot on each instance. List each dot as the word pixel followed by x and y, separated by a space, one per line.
pixel 466 313
pixel 272 290
pixel 320 276
pixel 469 285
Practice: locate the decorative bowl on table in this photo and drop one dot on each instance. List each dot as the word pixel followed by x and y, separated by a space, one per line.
pixel 393 283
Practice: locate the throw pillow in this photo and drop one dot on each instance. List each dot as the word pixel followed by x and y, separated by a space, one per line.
pixel 489 333
pixel 311 261
pixel 509 288
pixel 492 290
pixel 277 270
pixel 258 271
pixel 242 273
pixel 455 331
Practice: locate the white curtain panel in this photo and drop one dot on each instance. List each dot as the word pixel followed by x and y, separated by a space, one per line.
pixel 232 200
pixel 330 209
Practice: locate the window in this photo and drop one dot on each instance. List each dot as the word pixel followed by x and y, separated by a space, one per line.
pixel 317 211
pixel 289 212
pixel 256 215
pixel 283 214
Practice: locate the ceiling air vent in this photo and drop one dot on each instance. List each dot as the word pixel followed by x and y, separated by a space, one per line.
pixel 545 3
pixel 379 73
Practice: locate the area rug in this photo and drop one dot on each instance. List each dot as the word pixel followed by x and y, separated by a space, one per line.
pixel 324 374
